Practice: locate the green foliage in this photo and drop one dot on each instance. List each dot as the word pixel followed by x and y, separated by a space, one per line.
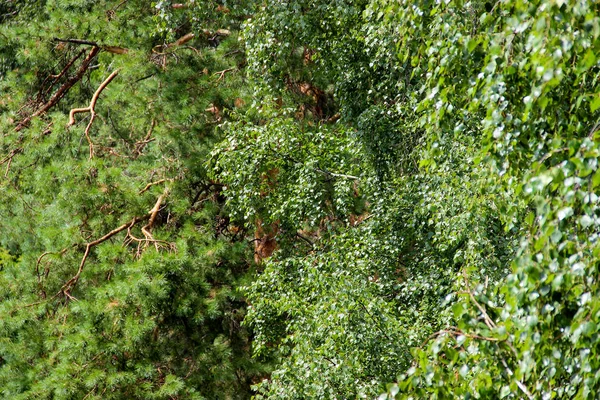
pixel 380 273
pixel 155 312
pixel 530 86
pixel 281 170
pixel 424 173
pixel 479 121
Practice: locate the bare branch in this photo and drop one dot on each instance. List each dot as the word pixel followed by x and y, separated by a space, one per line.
pixel 77 41
pixel 148 186
pixel 146 229
pixel 66 68
pixel 222 73
pixel 110 49
pixel 92 110
pixel 139 146
pixel 488 321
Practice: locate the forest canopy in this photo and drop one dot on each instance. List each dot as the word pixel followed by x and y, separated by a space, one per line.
pixel 299 199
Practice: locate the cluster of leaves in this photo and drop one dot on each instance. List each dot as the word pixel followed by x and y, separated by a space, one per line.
pixel 395 210
pixel 535 87
pixel 478 121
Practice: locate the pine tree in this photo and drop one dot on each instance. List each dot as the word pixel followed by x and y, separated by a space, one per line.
pixel 119 268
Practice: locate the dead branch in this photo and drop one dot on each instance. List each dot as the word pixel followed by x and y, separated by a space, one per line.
pixel 92 110
pixel 8 159
pixel 62 91
pixel 110 49
pixel 115 49
pixel 77 41
pixel 37 267
pixel 307 240
pixel 65 69
pixel 184 39
pixel 143 243
pixel 146 229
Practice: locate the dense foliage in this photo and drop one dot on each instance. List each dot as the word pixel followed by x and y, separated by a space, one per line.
pixel 155 312
pixel 304 199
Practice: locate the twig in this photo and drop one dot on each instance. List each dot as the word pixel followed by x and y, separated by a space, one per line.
pixel 524 389
pixel 66 68
pixel 457 332
pixel 148 186
pixel 488 321
pixel 8 159
pixel 77 41
pixel 307 240
pixel 376 322
pixel 110 49
pixel 145 77
pixel 119 5
pixel 39 260
pixel 551 153
pixel 490 324
pixel 139 146
pixel 91 109
pixel 594 129
pixel 345 176
pixel 62 91
pixel 518 382
pixel 233 52
pixel 222 73
pixel 322 171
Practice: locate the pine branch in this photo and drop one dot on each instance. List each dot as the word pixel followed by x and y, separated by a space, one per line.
pixel 62 91
pixel 77 41
pixel 66 288
pixel 92 110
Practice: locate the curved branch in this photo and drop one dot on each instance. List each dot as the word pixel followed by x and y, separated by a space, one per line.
pixel 153 213
pixel 92 110
pixel 71 282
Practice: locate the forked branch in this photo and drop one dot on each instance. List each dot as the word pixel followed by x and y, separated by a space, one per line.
pixel 92 110
pixel 66 288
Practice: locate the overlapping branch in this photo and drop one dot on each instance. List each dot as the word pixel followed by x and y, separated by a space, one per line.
pixel 146 229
